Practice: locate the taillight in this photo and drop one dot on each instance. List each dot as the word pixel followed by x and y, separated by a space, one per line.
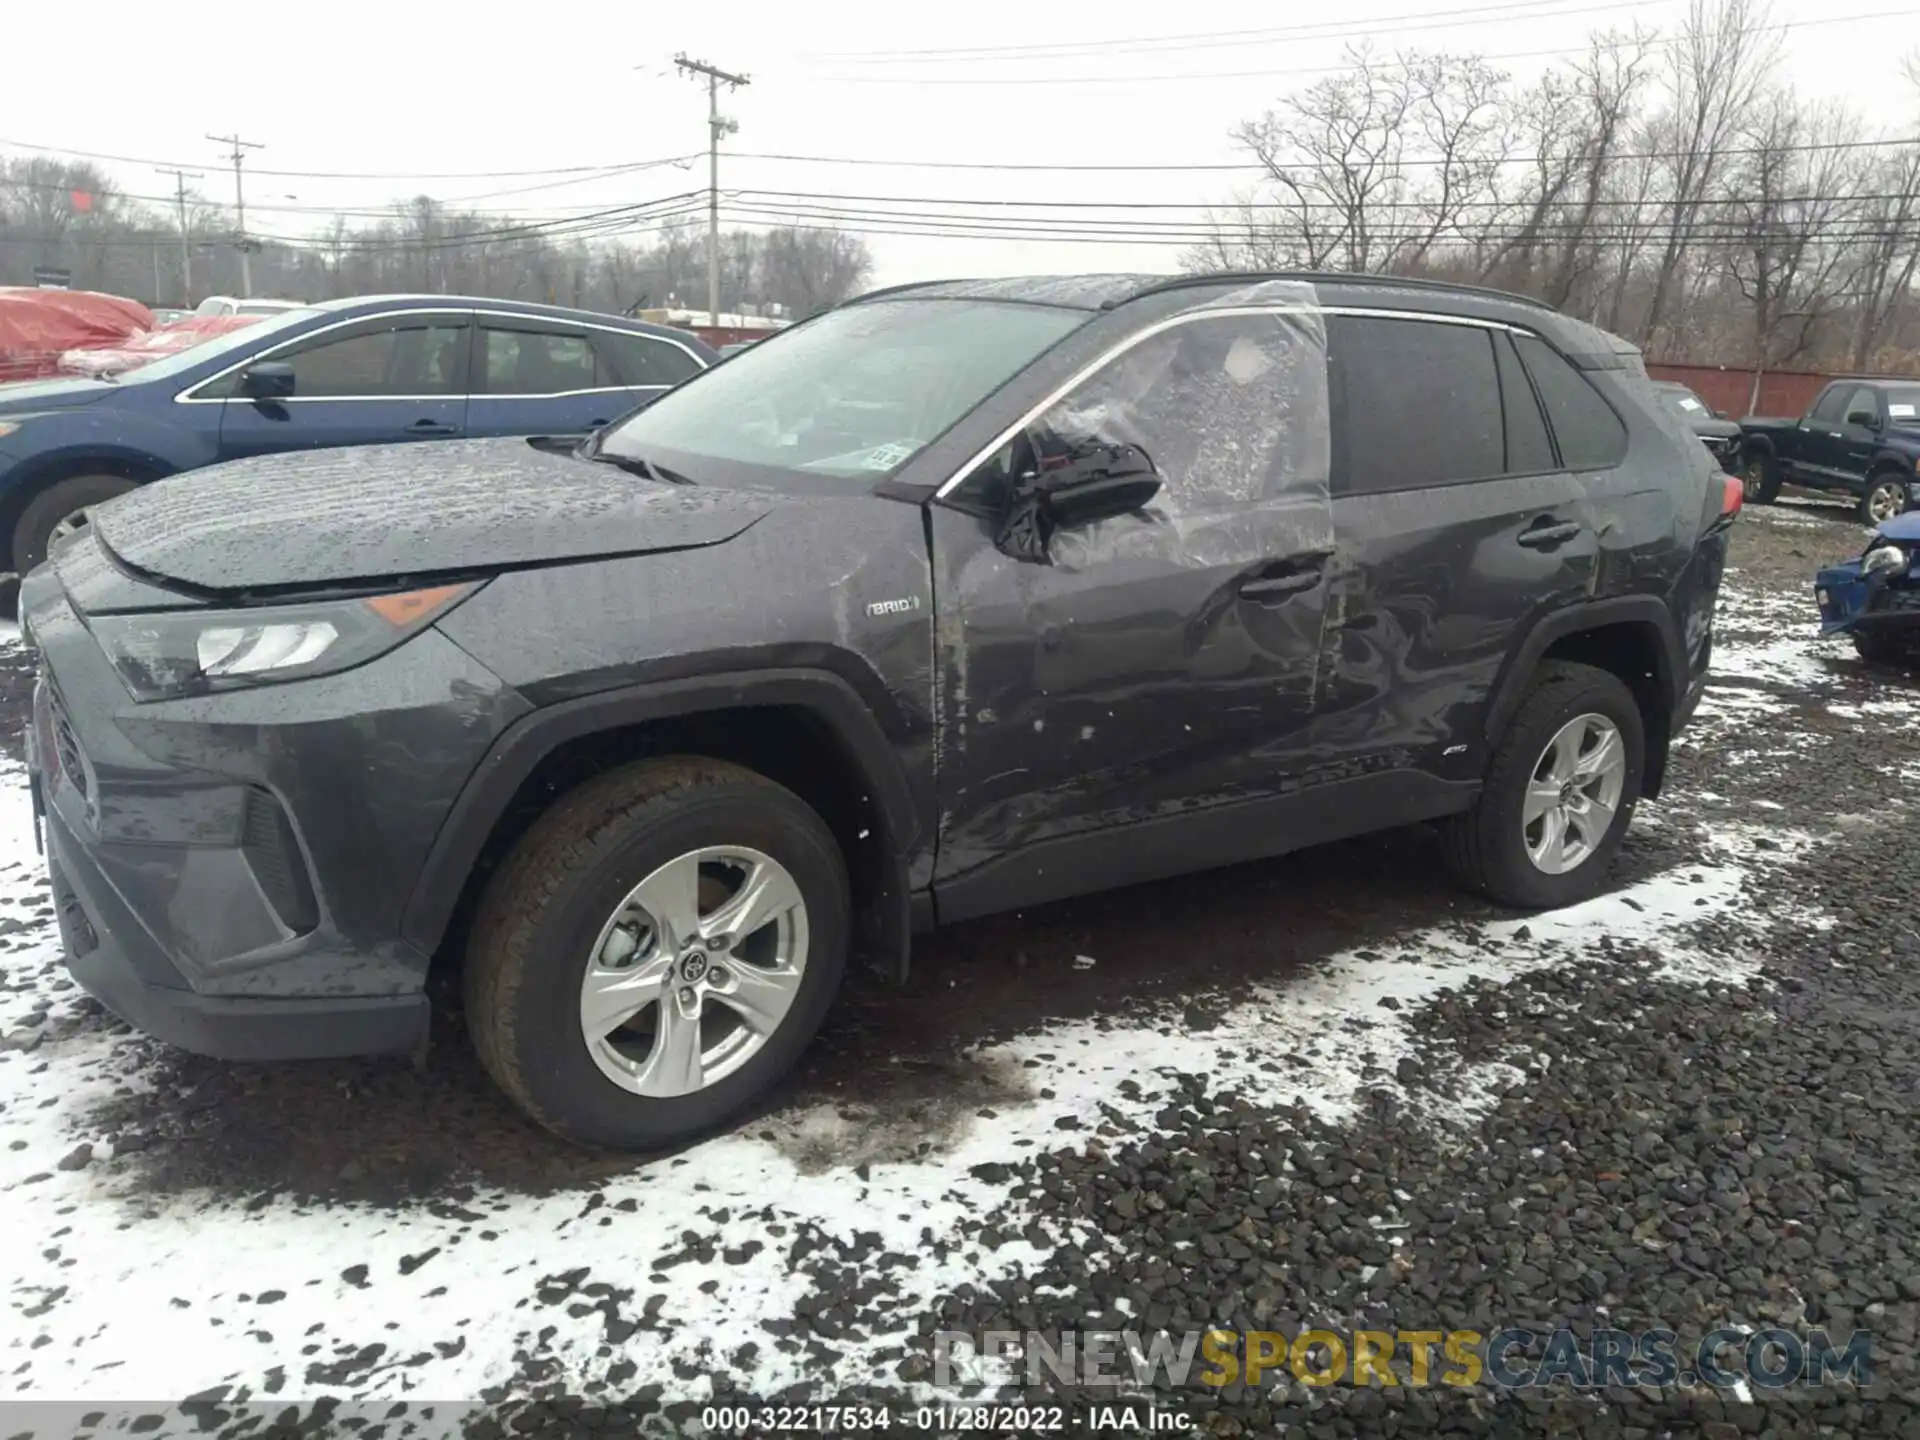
pixel 1732 497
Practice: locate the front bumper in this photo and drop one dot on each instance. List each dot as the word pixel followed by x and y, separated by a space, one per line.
pixel 232 869
pixel 112 956
pixel 1851 601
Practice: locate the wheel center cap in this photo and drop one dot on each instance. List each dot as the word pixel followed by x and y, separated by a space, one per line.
pixel 693 965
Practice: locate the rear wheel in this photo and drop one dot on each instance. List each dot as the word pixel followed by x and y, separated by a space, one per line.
pixel 1885 497
pixel 57 512
pixel 1761 476
pixel 1558 795
pixel 657 952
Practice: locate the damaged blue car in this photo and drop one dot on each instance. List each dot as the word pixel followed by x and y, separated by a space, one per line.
pixel 1875 599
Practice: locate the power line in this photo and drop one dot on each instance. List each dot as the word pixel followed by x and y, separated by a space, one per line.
pixel 1122 78
pixel 1238 39
pixel 1293 207
pixel 1254 165
pixel 361 174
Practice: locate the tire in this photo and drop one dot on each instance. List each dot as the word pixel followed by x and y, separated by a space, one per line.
pixel 33 532
pixel 1487 847
pixel 1876 647
pixel 548 915
pixel 1884 498
pixel 1760 473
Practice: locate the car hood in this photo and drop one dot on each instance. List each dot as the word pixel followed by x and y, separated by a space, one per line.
pixel 1904 528
pixel 382 511
pixel 19 397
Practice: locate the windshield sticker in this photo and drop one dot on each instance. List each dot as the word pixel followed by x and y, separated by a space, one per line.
pixel 885 457
pixel 1900 412
pixel 1687 402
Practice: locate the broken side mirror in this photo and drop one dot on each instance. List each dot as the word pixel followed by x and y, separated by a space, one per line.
pixel 1095 482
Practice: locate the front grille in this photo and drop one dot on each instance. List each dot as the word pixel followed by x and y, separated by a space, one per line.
pixel 273 854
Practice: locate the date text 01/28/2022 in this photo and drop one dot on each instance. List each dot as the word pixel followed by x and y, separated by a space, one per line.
pixel 1119 1417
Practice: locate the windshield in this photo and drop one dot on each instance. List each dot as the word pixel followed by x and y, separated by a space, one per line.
pixel 1903 403
pixel 1684 403
pixel 217 345
pixel 850 396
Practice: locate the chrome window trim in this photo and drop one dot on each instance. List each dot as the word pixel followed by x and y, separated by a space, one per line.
pixel 1187 317
pixel 189 396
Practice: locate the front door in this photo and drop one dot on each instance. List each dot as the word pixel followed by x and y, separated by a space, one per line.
pixel 1850 450
pixel 1151 669
pixel 373 382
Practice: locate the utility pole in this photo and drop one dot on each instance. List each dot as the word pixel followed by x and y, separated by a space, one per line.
pixel 716 127
pixel 180 178
pixel 237 154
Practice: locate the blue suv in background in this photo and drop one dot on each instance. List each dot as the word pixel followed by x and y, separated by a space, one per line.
pixel 365 371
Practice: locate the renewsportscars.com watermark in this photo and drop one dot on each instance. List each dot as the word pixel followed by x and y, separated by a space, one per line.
pixel 1516 1358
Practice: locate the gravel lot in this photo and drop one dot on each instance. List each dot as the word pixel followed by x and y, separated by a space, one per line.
pixel 1322 1091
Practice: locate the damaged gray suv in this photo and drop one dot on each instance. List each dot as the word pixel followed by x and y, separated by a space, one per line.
pixel 955 599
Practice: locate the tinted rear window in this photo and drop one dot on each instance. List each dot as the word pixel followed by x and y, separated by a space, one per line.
pixel 1590 435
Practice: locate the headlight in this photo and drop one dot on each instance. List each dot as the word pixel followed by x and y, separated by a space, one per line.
pixel 192 652
pixel 1883 557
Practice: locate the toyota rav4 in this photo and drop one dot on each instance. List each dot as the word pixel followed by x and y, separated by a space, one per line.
pixel 955 599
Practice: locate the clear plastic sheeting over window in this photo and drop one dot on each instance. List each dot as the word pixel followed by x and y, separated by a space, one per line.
pixel 1228 400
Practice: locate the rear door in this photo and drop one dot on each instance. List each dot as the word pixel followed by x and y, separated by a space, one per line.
pixel 535 376
pixel 366 382
pixel 1456 523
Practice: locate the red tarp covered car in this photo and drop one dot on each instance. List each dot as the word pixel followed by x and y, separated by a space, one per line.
pixel 167 340
pixel 37 327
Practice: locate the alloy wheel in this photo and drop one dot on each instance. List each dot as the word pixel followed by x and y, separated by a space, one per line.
pixel 69 525
pixel 1886 500
pixel 1574 794
pixel 694 971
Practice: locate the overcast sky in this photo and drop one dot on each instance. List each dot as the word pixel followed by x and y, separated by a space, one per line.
pixel 390 91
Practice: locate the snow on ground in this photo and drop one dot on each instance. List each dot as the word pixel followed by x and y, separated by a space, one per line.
pixel 119 1295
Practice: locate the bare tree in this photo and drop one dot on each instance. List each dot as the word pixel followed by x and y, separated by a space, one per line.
pixel 1715 69
pixel 1791 206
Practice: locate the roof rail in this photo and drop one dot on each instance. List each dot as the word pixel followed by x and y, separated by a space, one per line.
pixel 1330 277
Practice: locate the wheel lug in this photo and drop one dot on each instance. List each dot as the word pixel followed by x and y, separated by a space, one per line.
pixel 717 975
pixel 686 995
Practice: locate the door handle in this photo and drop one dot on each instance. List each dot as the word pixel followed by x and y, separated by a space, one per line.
pixel 431 427
pixel 1546 537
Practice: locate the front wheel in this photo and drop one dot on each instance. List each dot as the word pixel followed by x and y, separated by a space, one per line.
pixel 1557 798
pixel 1885 497
pixel 57 512
pixel 1877 647
pixel 657 952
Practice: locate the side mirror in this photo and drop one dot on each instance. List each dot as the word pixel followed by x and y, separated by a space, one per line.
pixel 1865 419
pixel 1719 414
pixel 269 380
pixel 1096 482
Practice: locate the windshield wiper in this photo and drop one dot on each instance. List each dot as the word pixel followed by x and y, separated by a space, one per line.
pixel 634 465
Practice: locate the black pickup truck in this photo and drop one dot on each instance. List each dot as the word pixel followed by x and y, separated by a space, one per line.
pixel 1859 437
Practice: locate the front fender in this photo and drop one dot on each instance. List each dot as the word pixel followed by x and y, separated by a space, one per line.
pixel 68 441
pixel 518 751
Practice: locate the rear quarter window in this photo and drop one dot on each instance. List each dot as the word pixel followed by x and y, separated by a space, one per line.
pixel 1589 433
